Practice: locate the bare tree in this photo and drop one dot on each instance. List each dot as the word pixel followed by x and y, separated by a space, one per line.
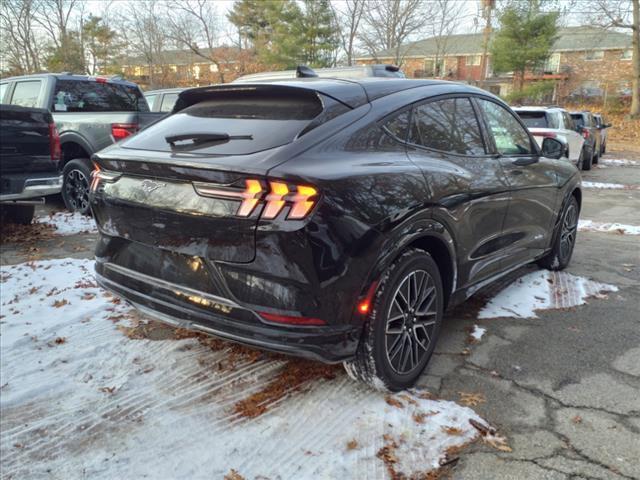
pixel 195 25
pixel 348 20
pixel 55 17
pixel 446 18
pixel 144 31
pixel 622 14
pixel 21 47
pixel 389 24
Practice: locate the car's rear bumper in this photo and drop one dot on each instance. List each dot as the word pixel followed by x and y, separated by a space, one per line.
pixel 201 311
pixel 21 187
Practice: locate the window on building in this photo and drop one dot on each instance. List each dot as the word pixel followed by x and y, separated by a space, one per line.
pixel 26 94
pixel 474 60
pixel 626 55
pixel 553 63
pixel 594 55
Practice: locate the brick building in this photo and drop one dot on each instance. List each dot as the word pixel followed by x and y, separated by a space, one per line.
pixel 584 61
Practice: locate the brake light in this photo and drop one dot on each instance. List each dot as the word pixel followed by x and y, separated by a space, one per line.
pixel 291 320
pixel 250 197
pixel 302 202
pixel 123 130
pixel 101 80
pixel 585 133
pixel 54 143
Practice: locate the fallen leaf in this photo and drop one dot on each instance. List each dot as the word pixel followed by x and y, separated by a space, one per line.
pixel 60 340
pixel 107 389
pixel 352 445
pixel 454 431
pixel 60 303
pixel 233 475
pixel 471 399
pixel 394 402
pixel 577 419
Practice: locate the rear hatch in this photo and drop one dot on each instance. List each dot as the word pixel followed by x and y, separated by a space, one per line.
pixel 195 182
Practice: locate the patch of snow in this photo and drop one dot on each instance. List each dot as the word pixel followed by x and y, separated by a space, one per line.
pixel 542 290
pixel 591 226
pixel 80 399
pixel 607 186
pixel 477 333
pixel 620 162
pixel 69 223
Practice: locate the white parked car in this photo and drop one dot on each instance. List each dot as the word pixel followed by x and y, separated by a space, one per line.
pixel 555 122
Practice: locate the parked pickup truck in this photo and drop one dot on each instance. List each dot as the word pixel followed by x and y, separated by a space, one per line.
pixel 90 112
pixel 29 161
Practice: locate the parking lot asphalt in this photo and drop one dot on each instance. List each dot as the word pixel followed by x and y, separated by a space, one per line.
pixel 564 387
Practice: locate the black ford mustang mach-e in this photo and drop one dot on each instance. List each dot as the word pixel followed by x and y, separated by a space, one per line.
pixel 329 219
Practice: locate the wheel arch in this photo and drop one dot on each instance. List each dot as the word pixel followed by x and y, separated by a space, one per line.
pixel 74 146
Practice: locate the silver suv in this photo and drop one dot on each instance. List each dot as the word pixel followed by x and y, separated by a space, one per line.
pixel 556 122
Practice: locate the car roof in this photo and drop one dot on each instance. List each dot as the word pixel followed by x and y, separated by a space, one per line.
pixel 71 76
pixel 351 92
pixel 537 108
pixel 165 90
pixel 360 71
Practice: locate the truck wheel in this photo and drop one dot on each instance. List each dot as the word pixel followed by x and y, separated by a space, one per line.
pixel 76 176
pixel 401 332
pixel 20 214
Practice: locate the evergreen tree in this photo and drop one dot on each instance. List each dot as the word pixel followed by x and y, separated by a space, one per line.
pixel 524 39
pixel 319 34
pixel 69 56
pixel 100 45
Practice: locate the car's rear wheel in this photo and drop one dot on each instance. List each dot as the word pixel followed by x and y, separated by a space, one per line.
pixel 580 159
pixel 587 161
pixel 20 214
pixel 75 187
pixel 565 238
pixel 401 332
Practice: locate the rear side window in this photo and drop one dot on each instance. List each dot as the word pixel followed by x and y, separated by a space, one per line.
pixel 398 125
pixel 89 96
pixel 447 125
pixel 150 100
pixel 578 120
pixel 534 119
pixel 231 123
pixel 26 94
pixel 168 101
pixel 510 137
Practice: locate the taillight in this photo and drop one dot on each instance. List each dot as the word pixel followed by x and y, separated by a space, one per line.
pixel 585 133
pixel 123 130
pixel 54 143
pixel 276 197
pixel 98 175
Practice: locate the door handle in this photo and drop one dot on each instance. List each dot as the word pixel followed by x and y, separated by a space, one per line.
pixel 523 162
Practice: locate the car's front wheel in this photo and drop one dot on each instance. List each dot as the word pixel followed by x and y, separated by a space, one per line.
pixel 401 332
pixel 75 187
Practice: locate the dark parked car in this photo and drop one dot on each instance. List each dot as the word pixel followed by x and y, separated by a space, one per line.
pixel 586 125
pixel 602 126
pixel 90 113
pixel 330 219
pixel 29 161
pixel 162 100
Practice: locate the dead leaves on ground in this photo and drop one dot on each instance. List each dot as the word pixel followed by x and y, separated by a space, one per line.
pixel 490 436
pixel 352 444
pixel 471 399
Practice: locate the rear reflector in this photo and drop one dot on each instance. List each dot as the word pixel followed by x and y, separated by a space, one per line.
pixel 289 320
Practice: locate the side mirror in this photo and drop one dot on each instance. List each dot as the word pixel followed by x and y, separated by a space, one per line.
pixel 552 148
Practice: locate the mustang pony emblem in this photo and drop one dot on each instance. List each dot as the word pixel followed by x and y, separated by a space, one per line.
pixel 149 185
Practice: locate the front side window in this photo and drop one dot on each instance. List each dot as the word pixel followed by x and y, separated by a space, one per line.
pixel 448 125
pixel 3 90
pixel 88 96
pixel 25 94
pixel 510 136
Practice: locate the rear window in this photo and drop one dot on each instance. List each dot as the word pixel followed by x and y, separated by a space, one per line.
pixel 534 119
pixel 90 96
pixel 578 119
pixel 253 123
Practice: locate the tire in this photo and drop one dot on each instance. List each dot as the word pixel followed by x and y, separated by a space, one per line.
pixel 596 158
pixel 76 176
pixel 604 148
pixel 587 162
pixel 580 160
pixel 20 214
pixel 397 342
pixel 564 239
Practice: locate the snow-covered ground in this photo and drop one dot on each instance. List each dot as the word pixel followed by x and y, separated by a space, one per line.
pixel 607 186
pixel 478 332
pixel 79 399
pixel 543 290
pixel 622 229
pixel 67 223
pixel 619 162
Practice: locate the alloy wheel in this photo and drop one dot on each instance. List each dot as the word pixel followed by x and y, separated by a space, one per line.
pixel 568 233
pixel 77 190
pixel 411 321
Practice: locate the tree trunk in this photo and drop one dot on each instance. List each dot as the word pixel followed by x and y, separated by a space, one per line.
pixel 635 82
